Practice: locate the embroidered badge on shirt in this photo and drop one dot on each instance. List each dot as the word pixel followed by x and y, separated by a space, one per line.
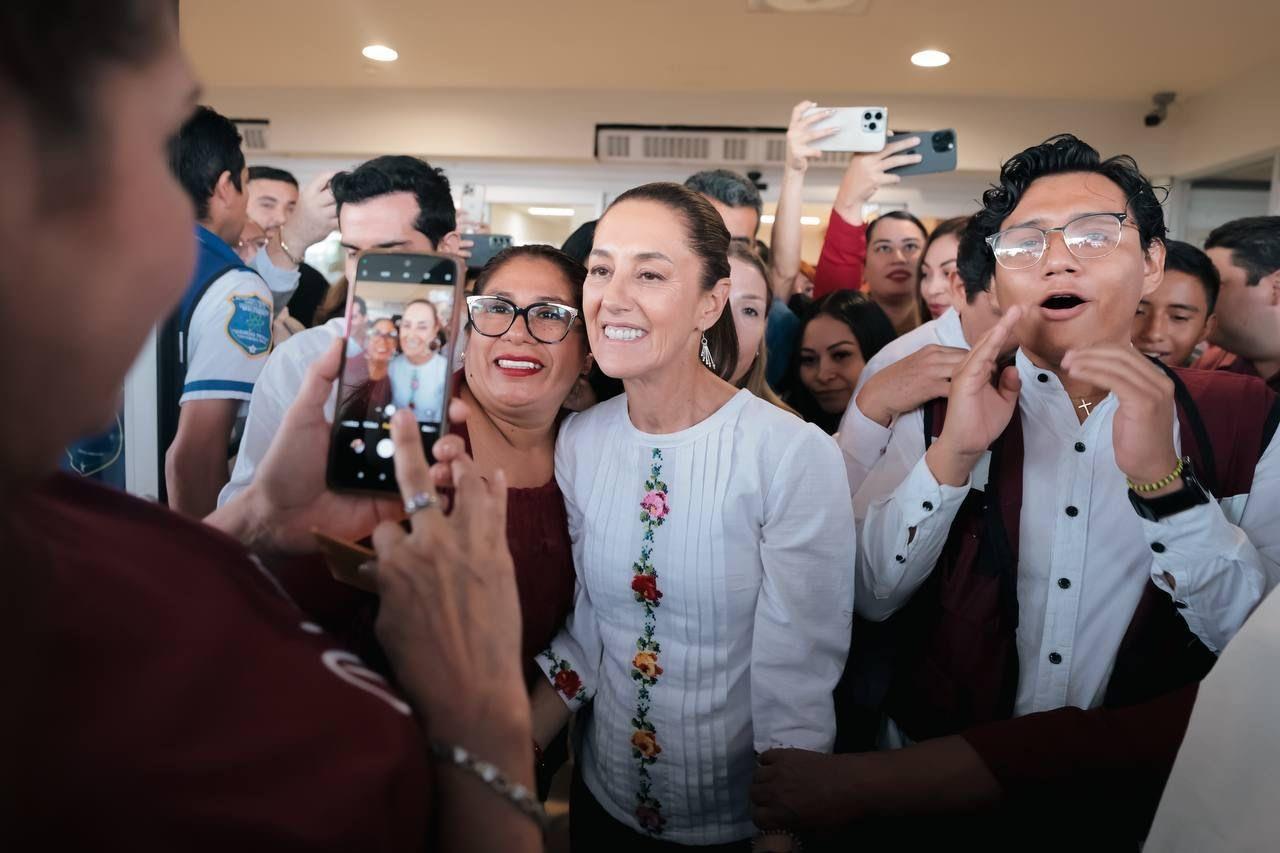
pixel 250 324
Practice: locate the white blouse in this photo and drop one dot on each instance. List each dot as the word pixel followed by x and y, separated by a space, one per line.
pixel 713 610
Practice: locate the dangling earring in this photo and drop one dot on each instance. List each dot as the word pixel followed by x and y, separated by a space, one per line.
pixel 705 355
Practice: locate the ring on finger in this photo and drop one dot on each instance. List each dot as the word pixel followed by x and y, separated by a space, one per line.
pixel 420 501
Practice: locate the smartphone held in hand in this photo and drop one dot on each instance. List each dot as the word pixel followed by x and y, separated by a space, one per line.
pixel 937 150
pixel 862 129
pixel 403 323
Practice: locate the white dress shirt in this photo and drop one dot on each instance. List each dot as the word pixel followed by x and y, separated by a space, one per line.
pixel 862 440
pixel 1222 793
pixel 754 562
pixel 276 388
pixel 1084 554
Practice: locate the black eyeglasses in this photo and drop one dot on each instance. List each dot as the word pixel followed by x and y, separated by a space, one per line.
pixel 1094 235
pixel 547 322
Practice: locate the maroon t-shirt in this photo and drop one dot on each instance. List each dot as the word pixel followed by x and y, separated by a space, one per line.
pixel 165 693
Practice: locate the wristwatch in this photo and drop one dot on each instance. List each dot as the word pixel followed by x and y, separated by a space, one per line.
pixel 1191 494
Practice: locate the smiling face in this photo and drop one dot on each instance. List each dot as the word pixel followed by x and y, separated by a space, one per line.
pixel 830 362
pixel 1068 302
pixel 937 273
pixel 419 326
pixel 1173 319
pixel 381 346
pixel 893 256
pixel 514 374
pixel 748 295
pixel 645 306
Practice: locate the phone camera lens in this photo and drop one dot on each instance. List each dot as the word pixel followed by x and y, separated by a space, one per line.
pixel 872 126
pixel 867 116
pixel 879 115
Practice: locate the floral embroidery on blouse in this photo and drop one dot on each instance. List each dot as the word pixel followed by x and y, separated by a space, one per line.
pixel 564 678
pixel 645 670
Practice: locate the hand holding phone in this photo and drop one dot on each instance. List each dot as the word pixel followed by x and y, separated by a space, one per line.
pixel 867 173
pixel 859 129
pixel 937 152
pixel 403 321
pixel 484 247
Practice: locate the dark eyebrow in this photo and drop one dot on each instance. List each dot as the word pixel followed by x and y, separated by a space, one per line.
pixel 604 252
pixel 1193 309
pixel 394 244
pixel 653 256
pixel 842 344
pixel 506 294
pixel 1039 221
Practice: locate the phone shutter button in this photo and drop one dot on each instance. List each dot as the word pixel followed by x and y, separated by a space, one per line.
pixel 386 448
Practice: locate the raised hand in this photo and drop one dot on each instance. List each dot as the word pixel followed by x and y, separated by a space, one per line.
pixel 801 135
pixel 979 407
pixel 1142 430
pixel 450 616
pixel 289 500
pixel 910 383
pixel 315 217
pixel 867 173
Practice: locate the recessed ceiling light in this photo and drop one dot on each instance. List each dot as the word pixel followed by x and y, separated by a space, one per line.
pixel 380 53
pixel 810 220
pixel 930 59
pixel 551 211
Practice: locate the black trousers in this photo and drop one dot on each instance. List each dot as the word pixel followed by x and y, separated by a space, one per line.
pixel 594 830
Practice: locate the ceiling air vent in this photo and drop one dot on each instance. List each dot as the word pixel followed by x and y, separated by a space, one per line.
pixel 704 147
pixel 256 133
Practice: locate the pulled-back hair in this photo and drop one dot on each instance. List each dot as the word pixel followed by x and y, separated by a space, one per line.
pixel 708 239
pixel 1058 155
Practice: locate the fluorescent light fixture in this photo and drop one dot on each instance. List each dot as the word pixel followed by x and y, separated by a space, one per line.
pixel 930 59
pixel 551 211
pixel 380 53
pixel 810 220
pixel 767 219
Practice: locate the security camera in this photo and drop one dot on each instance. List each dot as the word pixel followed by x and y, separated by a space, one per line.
pixel 1161 100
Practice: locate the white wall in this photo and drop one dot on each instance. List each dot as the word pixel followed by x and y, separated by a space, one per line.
pixel 559 124
pixel 1234 123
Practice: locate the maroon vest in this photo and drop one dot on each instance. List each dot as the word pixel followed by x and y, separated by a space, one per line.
pixel 957 662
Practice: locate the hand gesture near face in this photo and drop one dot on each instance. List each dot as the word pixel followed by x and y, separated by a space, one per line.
pixel 979 407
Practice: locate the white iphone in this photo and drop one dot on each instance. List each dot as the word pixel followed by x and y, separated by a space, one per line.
pixel 862 129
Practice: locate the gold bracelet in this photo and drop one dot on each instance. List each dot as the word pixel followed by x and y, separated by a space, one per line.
pixel 1159 484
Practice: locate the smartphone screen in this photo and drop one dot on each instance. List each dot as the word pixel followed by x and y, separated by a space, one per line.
pixel 402 329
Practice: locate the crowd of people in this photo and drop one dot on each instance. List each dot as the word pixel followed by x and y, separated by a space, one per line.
pixel 964 534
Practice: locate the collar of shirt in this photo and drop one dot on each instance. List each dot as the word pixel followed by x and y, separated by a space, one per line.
pixel 1044 401
pixel 950 332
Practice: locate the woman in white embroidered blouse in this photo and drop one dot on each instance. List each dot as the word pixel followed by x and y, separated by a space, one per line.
pixel 714 545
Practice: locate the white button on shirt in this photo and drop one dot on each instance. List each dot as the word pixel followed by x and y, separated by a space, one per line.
pixel 754 563
pixel 1084 555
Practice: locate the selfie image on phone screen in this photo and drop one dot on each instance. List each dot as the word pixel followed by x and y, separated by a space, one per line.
pixel 401 334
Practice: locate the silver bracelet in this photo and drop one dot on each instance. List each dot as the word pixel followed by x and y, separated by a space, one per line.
pixel 518 795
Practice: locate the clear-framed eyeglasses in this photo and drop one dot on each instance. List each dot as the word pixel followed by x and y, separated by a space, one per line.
pixel 1094 235
pixel 547 322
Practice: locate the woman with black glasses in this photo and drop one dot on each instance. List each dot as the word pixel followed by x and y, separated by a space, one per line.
pixel 525 351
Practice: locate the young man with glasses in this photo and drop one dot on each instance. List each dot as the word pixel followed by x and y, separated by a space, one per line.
pixel 1066 545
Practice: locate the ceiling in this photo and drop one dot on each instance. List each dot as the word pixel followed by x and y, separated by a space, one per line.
pixel 1118 50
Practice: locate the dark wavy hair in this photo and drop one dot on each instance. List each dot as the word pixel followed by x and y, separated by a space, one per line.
pixel 1254 243
pixel 1057 155
pixel 871 329
pixel 397 173
pixel 708 238
pixel 206 145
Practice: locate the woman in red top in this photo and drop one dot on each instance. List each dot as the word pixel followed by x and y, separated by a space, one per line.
pixel 163 691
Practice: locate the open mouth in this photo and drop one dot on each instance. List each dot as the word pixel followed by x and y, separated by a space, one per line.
pixel 899 276
pixel 1062 302
pixel 513 364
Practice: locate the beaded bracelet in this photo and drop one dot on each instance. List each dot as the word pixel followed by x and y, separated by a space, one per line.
pixel 1159 484
pixel 518 795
